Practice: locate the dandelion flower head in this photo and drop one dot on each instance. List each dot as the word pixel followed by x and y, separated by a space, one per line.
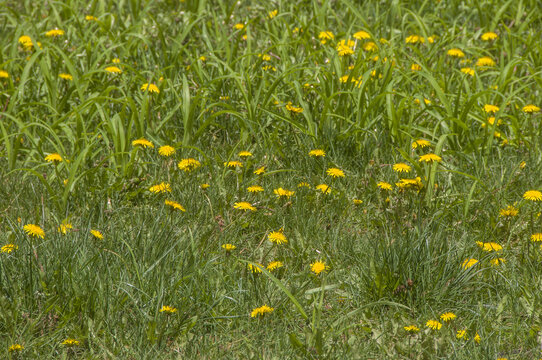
pixel 34 230
pixel 166 150
pixel 277 237
pixel 433 324
pixel 261 311
pixel 188 165
pixel 243 205
pixel 319 266
pixel 144 143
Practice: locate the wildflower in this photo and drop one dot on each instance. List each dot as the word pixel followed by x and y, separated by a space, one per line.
pixel 536 237
pixel 273 13
pixel 116 61
pixel 16 348
pixel 404 184
pixel 97 234
pixel 168 309
pixel 304 184
pixel 344 48
pixel 433 324
pixel 325 189
pixel 143 143
pixel 244 154
pixel 8 248
pixel 362 35
pixel 488 36
pixel 55 157
pixel 489 246
pixel 65 76
pixel 415 67
pixel 457 53
pixel 69 342
pixel 91 18
pixel 497 261
pixel 293 109
pixel 202 58
pixel 239 26
pixel 188 165
pixel 261 311
pixel 357 201
pixel 233 164
pixel 317 153
pixel 447 316
pixel 274 265
pixel 509 211
pixel 468 71
pixel 4 74
pixel 529 109
pixel 384 185
pixel 26 42
pixel 477 338
pixel 204 186
pixel 64 228
pixel 152 88
pixel 420 143
pixel 54 33
pixel 255 188
pixel 280 192
pixel 411 328
pixel 324 36
pixel 160 188
pixel 243 205
pixel 260 170
pixel 166 150
pixel 228 247
pixel 461 334
pixel 175 205
pixel 485 61
pixel 255 269
pixel 34 230
pixel 370 46
pixel 533 195
pixel 318 266
pixel 430 158
pixel 335 172
pixel 413 39
pixel 277 237
pixel 488 108
pixel 401 167
pixel 469 262
pixel 113 70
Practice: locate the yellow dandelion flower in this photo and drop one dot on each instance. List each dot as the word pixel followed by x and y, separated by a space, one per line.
pixel 255 188
pixel 430 158
pixel 433 324
pixel 34 230
pixel 166 150
pixel 509 211
pixel 401 167
pixel 413 39
pixel 529 109
pixel 233 164
pixel 97 234
pixel 324 36
pixel 160 188
pixel 488 108
pixel 260 170
pixel 188 165
pixel 325 189
pixel 64 228
pixel 272 14
pixel 204 186
pixel 420 143
pixel 411 328
pixel 447 316
pixel 319 266
pixel 303 184
pixel 26 42
pixel 277 237
pixel 54 158
pixel 175 205
pixel 8 248
pixel 91 18
pixel 457 53
pixel 54 33
pixel 461 334
pixel 274 265
pixel 113 69
pixel 370 46
pixel 533 195
pixel 357 201
pixel 497 261
pixel 293 109
pixel 489 246
pixel 144 143
pixel 335 172
pixel 239 26
pixel 384 185
pixel 69 342
pixel 152 88
pixel 362 35
pixel 468 71
pixel 415 67
pixel 477 338
pixel 469 262
pixel 116 61
pixel 245 154
pixel 255 269
pixel 243 205
pixel 15 348
pixel 4 74
pixel 228 247
pixel 65 76
pixel 415 184
pixel 485 61
pixel 344 47
pixel 168 309
pixel 488 36
pixel 280 192
pixel 317 153
pixel 261 311
pixel 536 237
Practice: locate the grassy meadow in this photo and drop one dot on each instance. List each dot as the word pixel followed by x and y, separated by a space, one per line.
pixel 312 179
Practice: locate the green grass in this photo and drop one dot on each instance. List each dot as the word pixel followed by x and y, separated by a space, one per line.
pixel 394 260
